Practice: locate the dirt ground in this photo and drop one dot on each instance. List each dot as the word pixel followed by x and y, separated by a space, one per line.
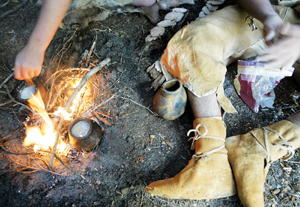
pixel 117 172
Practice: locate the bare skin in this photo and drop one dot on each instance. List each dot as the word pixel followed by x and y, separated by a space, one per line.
pixel 295 119
pixel 28 63
pixel 283 39
pixel 206 106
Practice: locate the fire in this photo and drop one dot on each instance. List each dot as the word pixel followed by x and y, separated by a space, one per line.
pixel 44 137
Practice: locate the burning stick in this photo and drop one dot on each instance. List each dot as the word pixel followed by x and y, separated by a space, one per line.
pixel 70 101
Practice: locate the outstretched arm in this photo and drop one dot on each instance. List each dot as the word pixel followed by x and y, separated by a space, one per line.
pixel 29 61
pixel 283 39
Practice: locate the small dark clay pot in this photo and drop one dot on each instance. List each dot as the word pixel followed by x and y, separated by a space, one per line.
pixel 84 134
pixel 170 101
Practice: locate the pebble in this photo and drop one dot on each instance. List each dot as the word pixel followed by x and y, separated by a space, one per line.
pixel 296 187
pixel 125 191
pixel 275 192
pixel 109 44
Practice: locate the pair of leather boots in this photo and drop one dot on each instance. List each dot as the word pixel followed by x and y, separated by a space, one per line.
pixel 221 167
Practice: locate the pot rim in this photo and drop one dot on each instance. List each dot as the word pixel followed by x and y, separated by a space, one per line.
pixel 75 122
pixel 170 81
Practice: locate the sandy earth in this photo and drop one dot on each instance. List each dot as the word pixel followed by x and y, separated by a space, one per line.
pixel 117 172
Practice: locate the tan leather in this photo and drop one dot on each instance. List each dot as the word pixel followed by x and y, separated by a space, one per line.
pixel 250 160
pixel 199 53
pixel 205 178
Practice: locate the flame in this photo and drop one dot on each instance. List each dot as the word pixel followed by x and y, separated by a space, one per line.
pixel 68 115
pixel 44 137
pixel 41 139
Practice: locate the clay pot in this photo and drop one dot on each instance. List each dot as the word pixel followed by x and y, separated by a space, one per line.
pixel 24 92
pixel 84 134
pixel 170 101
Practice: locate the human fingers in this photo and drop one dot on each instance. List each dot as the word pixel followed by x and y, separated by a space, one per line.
pixel 17 72
pixel 269 35
pixel 25 73
pixel 277 60
pixel 290 30
pixel 36 73
pixel 283 63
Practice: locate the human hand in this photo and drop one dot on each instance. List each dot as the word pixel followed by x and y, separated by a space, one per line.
pixel 28 63
pixel 271 26
pixel 286 49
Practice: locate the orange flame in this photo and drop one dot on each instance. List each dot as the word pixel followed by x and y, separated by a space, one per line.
pixel 44 137
pixel 41 139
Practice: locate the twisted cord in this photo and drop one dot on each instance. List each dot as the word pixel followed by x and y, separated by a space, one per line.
pixel 283 144
pixel 198 136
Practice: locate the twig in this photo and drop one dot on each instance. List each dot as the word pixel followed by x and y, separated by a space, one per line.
pixel 78 107
pixel 64 48
pixel 102 114
pixel 34 159
pixel 57 94
pixel 71 169
pixel 62 71
pixel 155 114
pixel 9 77
pixel 116 80
pixel 96 107
pixel 3 104
pixel 101 119
pixel 28 167
pixel 142 199
pixel 15 132
pixel 70 101
pixel 156 167
pixel 17 117
pixel 3 5
pixel 13 10
pixel 90 53
pixel 111 85
pixel 78 8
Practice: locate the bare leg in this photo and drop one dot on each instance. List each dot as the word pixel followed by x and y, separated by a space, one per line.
pixel 295 119
pixel 206 106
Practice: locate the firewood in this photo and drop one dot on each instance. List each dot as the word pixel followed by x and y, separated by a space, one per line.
pixel 70 101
